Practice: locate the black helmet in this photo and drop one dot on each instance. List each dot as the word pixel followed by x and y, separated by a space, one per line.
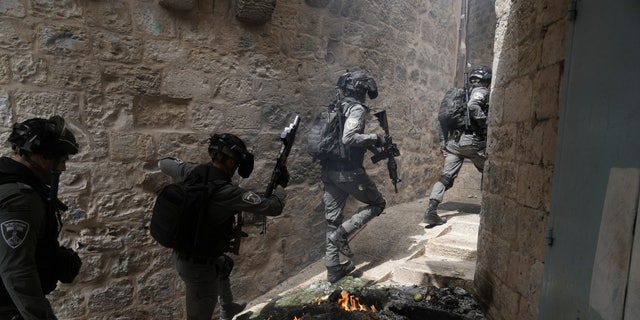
pixel 357 83
pixel 49 138
pixel 482 73
pixel 233 147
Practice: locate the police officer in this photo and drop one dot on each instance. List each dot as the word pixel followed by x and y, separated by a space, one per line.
pixel 206 275
pixel 347 177
pixel 468 143
pixel 31 259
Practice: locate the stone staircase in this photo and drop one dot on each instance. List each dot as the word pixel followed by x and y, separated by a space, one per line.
pixel 395 248
pixel 448 259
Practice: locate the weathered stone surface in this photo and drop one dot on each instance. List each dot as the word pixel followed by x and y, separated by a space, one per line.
pixel 15 34
pixel 159 112
pixel 15 8
pixel 66 40
pixel 153 20
pixel 116 295
pixel 113 15
pixel 46 104
pixel 29 69
pixel 74 74
pixel 254 11
pixel 137 82
pixel 180 5
pixel 60 8
pixel 6 118
pixel 114 47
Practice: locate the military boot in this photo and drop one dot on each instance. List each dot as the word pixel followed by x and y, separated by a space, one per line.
pixel 431 217
pixel 335 273
pixel 229 310
pixel 339 239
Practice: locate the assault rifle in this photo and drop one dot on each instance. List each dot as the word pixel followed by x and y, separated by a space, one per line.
pixel 467 92
pixel 287 137
pixel 389 150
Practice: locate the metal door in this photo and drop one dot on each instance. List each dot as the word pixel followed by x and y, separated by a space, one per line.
pixel 589 269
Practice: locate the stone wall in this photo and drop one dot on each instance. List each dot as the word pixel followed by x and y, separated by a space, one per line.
pixel 525 98
pixel 137 82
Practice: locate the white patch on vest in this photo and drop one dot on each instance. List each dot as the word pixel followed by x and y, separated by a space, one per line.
pixel 14 232
pixel 351 123
pixel 251 197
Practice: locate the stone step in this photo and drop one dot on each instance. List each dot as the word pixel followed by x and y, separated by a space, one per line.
pixel 456 241
pixel 435 271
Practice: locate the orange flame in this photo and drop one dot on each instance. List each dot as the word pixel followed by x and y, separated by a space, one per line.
pixel 350 302
pixel 296 318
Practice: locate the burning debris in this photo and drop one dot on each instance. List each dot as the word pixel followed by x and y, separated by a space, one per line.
pixel 354 299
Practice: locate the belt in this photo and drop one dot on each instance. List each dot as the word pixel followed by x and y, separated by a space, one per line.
pixel 197 260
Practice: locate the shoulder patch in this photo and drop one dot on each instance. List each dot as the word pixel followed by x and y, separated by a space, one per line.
pixel 14 232
pixel 477 95
pixel 351 123
pixel 251 197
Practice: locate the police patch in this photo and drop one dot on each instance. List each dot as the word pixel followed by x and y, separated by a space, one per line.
pixel 251 197
pixel 351 123
pixel 14 232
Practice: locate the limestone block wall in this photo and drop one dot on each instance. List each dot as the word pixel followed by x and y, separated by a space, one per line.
pixel 137 82
pixel 528 66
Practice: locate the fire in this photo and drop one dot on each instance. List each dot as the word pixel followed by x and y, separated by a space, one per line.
pixel 350 302
pixel 296 318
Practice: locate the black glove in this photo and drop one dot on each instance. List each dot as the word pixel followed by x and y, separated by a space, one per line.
pixel 379 142
pixel 68 264
pixel 283 179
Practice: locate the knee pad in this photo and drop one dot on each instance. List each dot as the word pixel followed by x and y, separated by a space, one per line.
pixel 447 181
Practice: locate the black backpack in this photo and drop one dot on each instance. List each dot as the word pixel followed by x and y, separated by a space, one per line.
pixel 178 211
pixel 324 140
pixel 453 113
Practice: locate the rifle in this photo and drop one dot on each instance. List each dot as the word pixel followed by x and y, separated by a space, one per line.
pixel 467 120
pixel 389 150
pixel 287 137
pixel 238 233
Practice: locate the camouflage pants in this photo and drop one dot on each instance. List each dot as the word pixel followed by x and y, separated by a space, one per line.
pixel 468 147
pixel 338 186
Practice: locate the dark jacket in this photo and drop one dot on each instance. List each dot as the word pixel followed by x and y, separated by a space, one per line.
pixel 29 241
pixel 227 201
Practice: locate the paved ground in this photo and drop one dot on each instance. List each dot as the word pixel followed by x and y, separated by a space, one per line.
pixel 396 248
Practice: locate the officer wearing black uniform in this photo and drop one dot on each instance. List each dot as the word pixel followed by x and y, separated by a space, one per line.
pixel 467 143
pixel 31 258
pixel 206 276
pixel 347 177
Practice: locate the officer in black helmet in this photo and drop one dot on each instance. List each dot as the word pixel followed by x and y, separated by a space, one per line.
pixel 31 258
pixel 469 143
pixel 206 275
pixel 347 177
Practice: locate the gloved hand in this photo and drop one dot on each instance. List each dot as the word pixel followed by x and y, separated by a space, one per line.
pixel 443 148
pixel 379 142
pixel 283 179
pixel 67 265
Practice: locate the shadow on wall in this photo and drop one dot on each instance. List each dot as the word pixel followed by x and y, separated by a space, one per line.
pixel 254 12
